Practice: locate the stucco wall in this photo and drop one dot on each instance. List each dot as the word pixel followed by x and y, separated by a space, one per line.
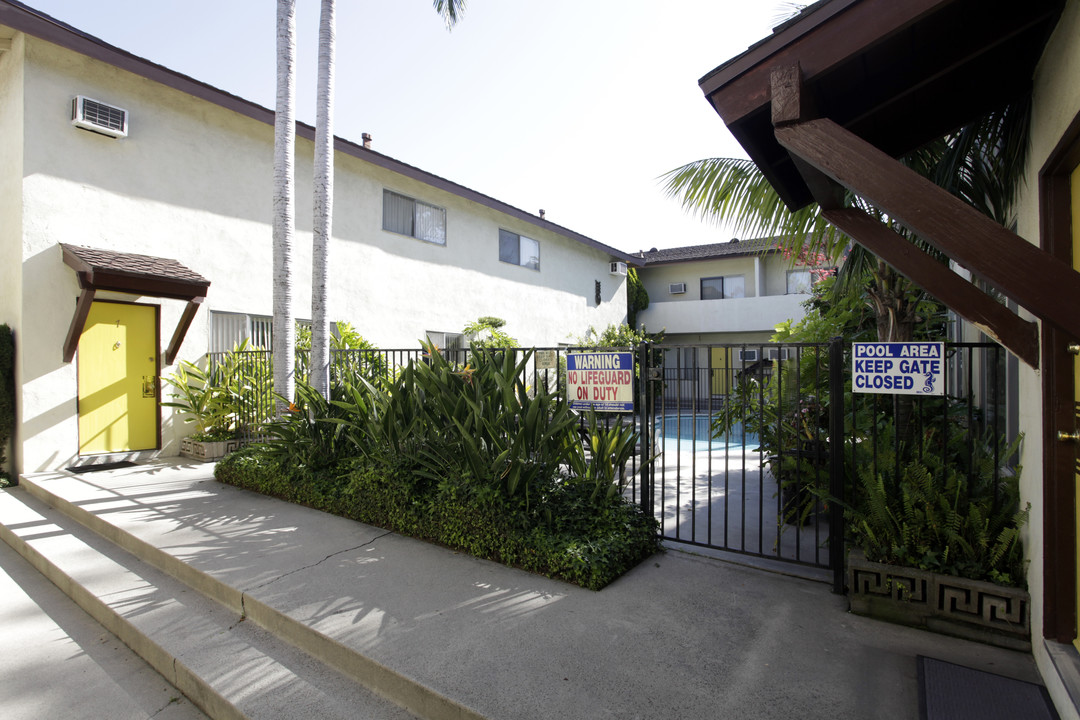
pixel 1056 104
pixel 193 182
pixel 11 200
pixel 687 314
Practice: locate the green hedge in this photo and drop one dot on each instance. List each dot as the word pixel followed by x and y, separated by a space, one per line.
pixel 564 535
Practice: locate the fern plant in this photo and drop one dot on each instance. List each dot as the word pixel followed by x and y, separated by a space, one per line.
pixel 949 508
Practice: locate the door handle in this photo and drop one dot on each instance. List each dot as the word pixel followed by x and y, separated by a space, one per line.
pixel 1073 348
pixel 1073 437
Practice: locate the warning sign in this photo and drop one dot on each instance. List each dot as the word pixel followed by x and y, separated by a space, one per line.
pixel 603 381
pixel 899 368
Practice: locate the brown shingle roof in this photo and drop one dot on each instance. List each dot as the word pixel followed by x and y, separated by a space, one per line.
pixel 133 273
pixel 707 252
pixel 120 263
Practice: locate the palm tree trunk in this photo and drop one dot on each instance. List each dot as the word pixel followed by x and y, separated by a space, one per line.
pixel 284 331
pixel 319 367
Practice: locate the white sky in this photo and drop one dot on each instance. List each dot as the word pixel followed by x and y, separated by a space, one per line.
pixel 573 106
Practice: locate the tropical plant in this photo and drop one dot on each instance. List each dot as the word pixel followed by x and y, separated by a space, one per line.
pixel 617 336
pixel 945 507
pixel 602 465
pixel 302 439
pixel 212 398
pixel 7 396
pixel 206 404
pixel 478 422
pixel 637 297
pixel 487 332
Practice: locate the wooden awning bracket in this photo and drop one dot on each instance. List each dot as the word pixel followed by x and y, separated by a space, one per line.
pixel 133 274
pixel 830 159
pixel 78 322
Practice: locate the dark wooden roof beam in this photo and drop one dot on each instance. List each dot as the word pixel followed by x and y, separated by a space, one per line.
pixel 1046 286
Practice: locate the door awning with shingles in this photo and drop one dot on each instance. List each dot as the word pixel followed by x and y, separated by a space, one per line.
pixel 109 270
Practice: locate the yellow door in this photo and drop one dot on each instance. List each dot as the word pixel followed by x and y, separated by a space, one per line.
pixel 720 366
pixel 1075 183
pixel 118 405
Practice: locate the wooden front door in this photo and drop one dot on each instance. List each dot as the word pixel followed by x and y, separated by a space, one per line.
pixel 118 368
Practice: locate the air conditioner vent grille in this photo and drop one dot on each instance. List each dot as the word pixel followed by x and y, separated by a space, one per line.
pixel 98 117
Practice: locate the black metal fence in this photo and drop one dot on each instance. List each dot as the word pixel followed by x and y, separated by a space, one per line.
pixel 742 438
pixel 736 448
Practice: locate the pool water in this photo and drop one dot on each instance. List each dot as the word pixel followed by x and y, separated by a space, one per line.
pixel 694 432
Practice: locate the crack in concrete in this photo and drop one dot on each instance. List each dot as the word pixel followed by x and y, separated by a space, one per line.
pixel 308 567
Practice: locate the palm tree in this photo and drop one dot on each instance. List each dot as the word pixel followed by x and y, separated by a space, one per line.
pixel 323 205
pixel 982 163
pixel 319 366
pixel 284 333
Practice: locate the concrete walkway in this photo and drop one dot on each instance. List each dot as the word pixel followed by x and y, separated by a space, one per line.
pixel 680 636
pixel 58 663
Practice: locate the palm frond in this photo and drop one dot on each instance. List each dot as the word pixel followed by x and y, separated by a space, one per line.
pixel 451 11
pixel 734 192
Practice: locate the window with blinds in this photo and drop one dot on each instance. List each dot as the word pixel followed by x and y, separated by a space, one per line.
pixel 407 216
pixel 227 330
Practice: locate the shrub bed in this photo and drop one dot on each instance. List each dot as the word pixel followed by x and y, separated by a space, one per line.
pixel 584 543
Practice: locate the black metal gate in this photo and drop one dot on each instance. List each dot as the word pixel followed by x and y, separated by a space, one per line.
pixel 736 448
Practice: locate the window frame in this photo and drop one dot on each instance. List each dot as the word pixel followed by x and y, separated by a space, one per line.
pixel 420 211
pixel 723 287
pixel 809 281
pixel 521 239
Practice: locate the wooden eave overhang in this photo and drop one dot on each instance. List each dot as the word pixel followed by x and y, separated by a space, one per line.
pixel 834 96
pixel 107 270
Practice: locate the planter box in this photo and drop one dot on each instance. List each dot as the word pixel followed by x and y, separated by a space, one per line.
pixel 970 609
pixel 207 450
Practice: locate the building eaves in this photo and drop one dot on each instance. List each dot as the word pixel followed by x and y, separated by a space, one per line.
pixel 23 18
pixel 713 251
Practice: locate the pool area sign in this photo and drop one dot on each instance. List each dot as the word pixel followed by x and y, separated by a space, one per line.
pixel 898 368
pixel 602 381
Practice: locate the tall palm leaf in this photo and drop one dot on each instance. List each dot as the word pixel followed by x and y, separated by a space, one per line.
pixel 284 334
pixel 982 164
pixel 451 11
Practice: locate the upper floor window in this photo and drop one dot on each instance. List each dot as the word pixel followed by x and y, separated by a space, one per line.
pixel 519 250
pixel 411 217
pixel 718 288
pixel 798 282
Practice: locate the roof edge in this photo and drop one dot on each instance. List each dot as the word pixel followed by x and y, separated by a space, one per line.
pixel 33 22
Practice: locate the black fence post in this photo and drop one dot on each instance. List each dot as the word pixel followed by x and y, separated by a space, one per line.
pixel 836 463
pixel 645 437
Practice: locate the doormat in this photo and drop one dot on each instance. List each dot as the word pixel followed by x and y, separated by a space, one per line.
pixel 954 692
pixel 100 466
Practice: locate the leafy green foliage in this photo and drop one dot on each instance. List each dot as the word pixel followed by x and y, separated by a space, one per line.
pixel 466 456
pixel 637 297
pixel 949 510
pixel 617 336
pixel 7 396
pixel 211 398
pixel 486 332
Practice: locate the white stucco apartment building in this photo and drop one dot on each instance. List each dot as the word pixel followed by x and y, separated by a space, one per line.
pixel 413 255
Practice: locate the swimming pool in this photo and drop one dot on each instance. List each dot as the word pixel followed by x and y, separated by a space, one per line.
pixel 694 433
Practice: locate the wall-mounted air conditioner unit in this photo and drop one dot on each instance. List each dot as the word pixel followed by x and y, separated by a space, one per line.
pixel 618 268
pixel 98 117
pixel 676 288
pixel 748 356
pixel 777 353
